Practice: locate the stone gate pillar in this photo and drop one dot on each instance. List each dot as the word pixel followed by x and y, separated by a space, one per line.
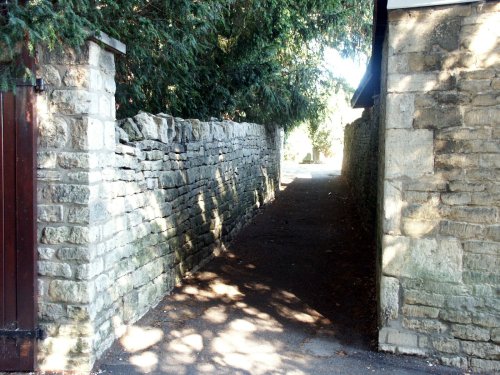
pixel 75 158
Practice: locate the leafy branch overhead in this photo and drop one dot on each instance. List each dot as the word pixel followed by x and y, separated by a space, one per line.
pixel 253 60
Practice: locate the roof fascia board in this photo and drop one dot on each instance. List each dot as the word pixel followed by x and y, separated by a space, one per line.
pixel 402 4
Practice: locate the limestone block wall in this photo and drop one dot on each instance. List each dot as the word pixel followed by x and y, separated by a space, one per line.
pixel 440 280
pixel 127 208
pixel 180 191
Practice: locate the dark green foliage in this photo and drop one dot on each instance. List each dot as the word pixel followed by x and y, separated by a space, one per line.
pixel 253 60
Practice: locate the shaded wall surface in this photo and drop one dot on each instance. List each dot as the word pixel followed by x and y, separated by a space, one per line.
pixel 126 208
pixel 360 163
pixel 440 260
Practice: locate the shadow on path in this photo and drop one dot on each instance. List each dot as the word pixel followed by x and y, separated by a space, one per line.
pixel 295 294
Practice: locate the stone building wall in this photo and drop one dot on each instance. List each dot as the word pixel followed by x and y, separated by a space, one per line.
pixel 440 263
pixel 126 209
pixel 359 164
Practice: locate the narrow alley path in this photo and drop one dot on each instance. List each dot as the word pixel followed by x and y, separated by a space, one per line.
pixel 295 294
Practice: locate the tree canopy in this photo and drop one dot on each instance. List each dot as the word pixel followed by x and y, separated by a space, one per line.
pixel 252 60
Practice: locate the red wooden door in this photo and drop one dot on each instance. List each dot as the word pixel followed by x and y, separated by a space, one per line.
pixel 18 323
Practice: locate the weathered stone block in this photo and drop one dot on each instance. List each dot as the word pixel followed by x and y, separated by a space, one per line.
pixel 426 184
pixel 490 161
pixel 493 232
pixel 399 111
pixel 467 332
pixel 425 325
pixel 389 298
pixel 435 260
pixel 50 74
pixel 69 102
pixel 78 194
pixel 485 100
pixel 72 160
pixel 495 335
pixel 147 126
pixel 51 311
pixel 53 132
pixel 77 76
pixel 46 160
pixel 394 253
pixel 462 161
pixel 455 199
pixel 70 291
pixel 460 362
pixel 486 320
pixel 454 316
pixel 482 262
pixel 485 365
pixel 420 311
pixel 54 269
pixel 393 205
pixel 50 213
pixel 461 230
pixel 398 338
pixel 80 254
pixel 55 235
pixel 408 153
pixel 132 130
pixel 417 297
pixel 480 215
pixel 463 302
pixel 481 349
pixel 446 345
pixel 425 211
pixel 482 116
pixel 482 247
pixel 437 118
pixel 46 253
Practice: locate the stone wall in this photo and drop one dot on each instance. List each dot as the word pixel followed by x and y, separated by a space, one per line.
pixel 75 159
pixel 126 209
pixel 440 266
pixel 359 164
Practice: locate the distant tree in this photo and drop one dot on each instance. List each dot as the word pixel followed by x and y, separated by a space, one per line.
pixel 253 60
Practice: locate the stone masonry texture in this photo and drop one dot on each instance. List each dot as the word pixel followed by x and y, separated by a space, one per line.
pixel 440 251
pixel 360 163
pixel 125 209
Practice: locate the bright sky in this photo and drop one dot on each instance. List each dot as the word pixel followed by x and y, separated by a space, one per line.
pixel 352 71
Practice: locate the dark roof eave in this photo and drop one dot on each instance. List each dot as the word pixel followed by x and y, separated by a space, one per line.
pixel 370 84
pixel 363 96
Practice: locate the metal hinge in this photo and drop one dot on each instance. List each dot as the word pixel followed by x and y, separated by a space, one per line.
pixel 37 333
pixel 39 85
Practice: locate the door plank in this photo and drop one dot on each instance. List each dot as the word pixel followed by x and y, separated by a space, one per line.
pixel 9 214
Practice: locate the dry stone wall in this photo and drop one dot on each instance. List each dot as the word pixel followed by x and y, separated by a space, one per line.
pixel 126 208
pixel 182 189
pixel 440 279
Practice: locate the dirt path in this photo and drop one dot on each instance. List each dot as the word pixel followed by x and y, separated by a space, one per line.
pixel 294 295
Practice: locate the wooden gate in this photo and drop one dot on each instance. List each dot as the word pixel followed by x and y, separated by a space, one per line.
pixel 18 324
